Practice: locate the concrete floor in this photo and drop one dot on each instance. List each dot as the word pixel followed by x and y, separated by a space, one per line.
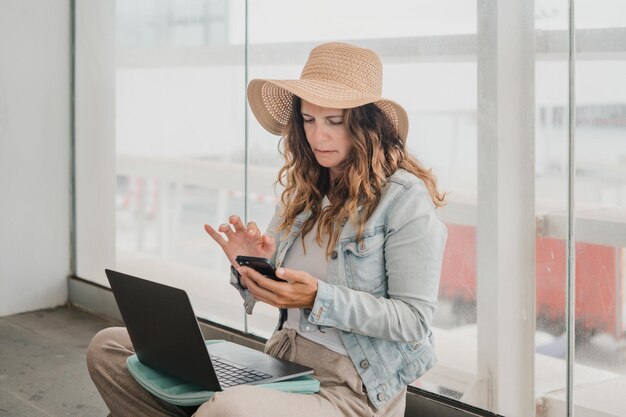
pixel 42 364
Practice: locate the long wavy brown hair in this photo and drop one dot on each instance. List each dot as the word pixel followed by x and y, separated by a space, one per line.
pixel 377 152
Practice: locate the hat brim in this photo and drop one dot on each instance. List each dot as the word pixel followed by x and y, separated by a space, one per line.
pixel 271 102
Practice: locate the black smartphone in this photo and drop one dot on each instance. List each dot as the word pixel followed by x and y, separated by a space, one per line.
pixel 262 265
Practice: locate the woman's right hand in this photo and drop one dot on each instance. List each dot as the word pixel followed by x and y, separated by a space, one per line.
pixel 235 240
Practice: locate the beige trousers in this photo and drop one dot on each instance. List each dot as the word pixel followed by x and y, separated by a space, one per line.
pixel 341 390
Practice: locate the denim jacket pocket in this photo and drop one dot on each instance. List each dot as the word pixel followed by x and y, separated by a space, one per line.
pixel 412 351
pixel 366 263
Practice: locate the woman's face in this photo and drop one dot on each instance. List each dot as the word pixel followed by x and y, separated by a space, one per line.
pixel 326 135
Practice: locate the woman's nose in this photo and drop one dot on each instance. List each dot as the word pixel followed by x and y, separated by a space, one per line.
pixel 317 131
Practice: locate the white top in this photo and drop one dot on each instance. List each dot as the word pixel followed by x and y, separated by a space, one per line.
pixel 315 263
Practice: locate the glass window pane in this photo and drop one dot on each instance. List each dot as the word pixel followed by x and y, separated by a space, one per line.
pixel 601 216
pixel 180 146
pixel 551 171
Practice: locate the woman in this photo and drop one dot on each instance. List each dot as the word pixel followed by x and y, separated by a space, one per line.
pixel 356 237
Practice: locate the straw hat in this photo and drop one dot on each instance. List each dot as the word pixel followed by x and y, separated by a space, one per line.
pixel 336 75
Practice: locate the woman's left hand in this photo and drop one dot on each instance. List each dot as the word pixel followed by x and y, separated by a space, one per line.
pixel 298 292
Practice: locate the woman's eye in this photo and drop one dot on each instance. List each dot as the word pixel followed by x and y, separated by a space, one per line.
pixel 308 120
pixel 335 122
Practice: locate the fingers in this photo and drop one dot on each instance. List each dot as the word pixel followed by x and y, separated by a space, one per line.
pixel 300 291
pixel 260 279
pixel 248 236
pixel 237 223
pixel 260 286
pixel 226 229
pixel 292 275
pixel 215 235
pixel 233 226
pixel 253 229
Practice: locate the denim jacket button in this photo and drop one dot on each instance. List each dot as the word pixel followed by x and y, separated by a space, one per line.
pixel 364 364
pixel 333 255
pixel 380 396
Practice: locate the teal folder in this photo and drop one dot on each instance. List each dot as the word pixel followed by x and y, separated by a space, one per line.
pixel 175 391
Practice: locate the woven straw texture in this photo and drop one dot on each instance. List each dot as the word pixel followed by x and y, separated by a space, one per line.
pixel 336 75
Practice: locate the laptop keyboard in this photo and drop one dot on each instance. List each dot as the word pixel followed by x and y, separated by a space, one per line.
pixel 230 374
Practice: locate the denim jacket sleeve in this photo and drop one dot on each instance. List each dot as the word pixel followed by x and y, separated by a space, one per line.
pixel 248 299
pixel 413 251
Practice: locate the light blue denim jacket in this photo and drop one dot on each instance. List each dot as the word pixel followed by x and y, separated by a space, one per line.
pixel 380 292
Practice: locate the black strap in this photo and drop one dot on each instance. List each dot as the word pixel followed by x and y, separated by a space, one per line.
pixel 282 318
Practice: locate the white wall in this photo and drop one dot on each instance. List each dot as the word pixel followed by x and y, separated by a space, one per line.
pixel 34 154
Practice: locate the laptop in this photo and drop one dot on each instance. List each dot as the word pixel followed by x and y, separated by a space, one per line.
pixel 166 336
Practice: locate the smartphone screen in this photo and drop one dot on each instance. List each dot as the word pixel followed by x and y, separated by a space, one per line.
pixel 263 266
